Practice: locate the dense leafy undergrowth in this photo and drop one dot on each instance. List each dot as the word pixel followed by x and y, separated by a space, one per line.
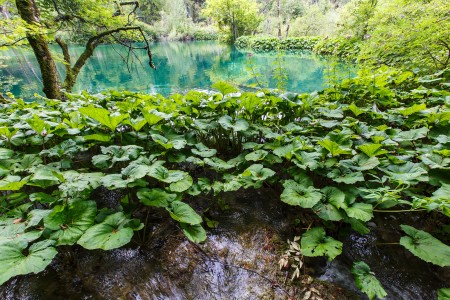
pixel 339 47
pixel 377 142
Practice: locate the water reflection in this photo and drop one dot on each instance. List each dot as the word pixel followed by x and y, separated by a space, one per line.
pixel 181 66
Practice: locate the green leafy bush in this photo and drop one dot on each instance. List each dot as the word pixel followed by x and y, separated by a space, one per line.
pixel 334 46
pixel 269 44
pixel 376 142
pixel 338 46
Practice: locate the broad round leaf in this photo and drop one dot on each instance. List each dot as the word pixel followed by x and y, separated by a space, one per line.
pixel 315 243
pixel 70 222
pixel 297 194
pixel 425 246
pixel 155 197
pixel 14 262
pixel 182 212
pixel 109 234
pixel 195 233
pixel 182 185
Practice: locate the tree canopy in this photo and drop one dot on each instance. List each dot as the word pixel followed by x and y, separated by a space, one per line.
pixel 234 17
pixel 89 22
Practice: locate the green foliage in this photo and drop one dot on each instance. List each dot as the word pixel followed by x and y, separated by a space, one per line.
pixel 376 141
pixel 338 46
pixel 444 294
pixel 14 262
pixel 314 242
pixel 384 26
pixel 299 194
pixel 366 281
pixel 113 232
pixel 425 246
pixel 269 44
pixel 233 18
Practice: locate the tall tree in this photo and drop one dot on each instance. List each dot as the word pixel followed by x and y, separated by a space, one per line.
pixel 87 21
pixel 234 17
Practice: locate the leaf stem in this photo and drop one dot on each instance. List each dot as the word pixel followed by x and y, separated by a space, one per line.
pixel 400 210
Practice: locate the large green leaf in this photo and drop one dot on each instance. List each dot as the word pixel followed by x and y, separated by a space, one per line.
pixel 315 242
pixel 299 194
pixel 66 148
pixel 372 149
pixel 135 171
pixel 425 246
pixel 101 137
pixel 408 173
pixel 366 281
pixel 443 193
pixel 343 175
pixel 327 212
pixel 217 164
pixel 103 116
pixel 69 222
pixel 17 259
pixel 155 197
pixel 183 213
pixel 360 211
pixel 151 117
pixel 161 173
pixel 45 176
pixel 444 294
pixel 332 200
pixel 12 183
pixel 413 109
pixel 435 161
pixel 37 124
pixel 195 233
pixel 411 135
pixel 182 184
pixel 110 234
pixel 224 87
pixel 79 184
pixel 333 148
pixel 257 172
pixel 256 155
pixel 114 181
pixel 203 151
pixel 237 125
pixel 308 160
pixel 334 196
pixel 6 153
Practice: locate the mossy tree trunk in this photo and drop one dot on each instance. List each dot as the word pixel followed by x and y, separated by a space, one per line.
pixel 73 71
pixel 30 14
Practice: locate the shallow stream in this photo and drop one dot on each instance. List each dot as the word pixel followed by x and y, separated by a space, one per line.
pixel 239 260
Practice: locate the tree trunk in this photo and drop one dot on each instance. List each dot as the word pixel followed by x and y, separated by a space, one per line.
pixel 92 43
pixel 279 18
pixel 30 14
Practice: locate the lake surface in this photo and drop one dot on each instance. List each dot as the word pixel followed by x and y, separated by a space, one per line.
pixel 180 66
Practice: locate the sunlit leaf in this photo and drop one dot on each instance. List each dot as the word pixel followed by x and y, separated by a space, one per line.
pixel 315 242
pixel 110 234
pixel 15 259
pixel 366 281
pixel 298 194
pixel 425 246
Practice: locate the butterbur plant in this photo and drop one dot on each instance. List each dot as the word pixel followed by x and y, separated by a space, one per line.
pixel 332 155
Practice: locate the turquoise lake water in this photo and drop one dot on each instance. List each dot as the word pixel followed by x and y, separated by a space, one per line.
pixel 180 66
